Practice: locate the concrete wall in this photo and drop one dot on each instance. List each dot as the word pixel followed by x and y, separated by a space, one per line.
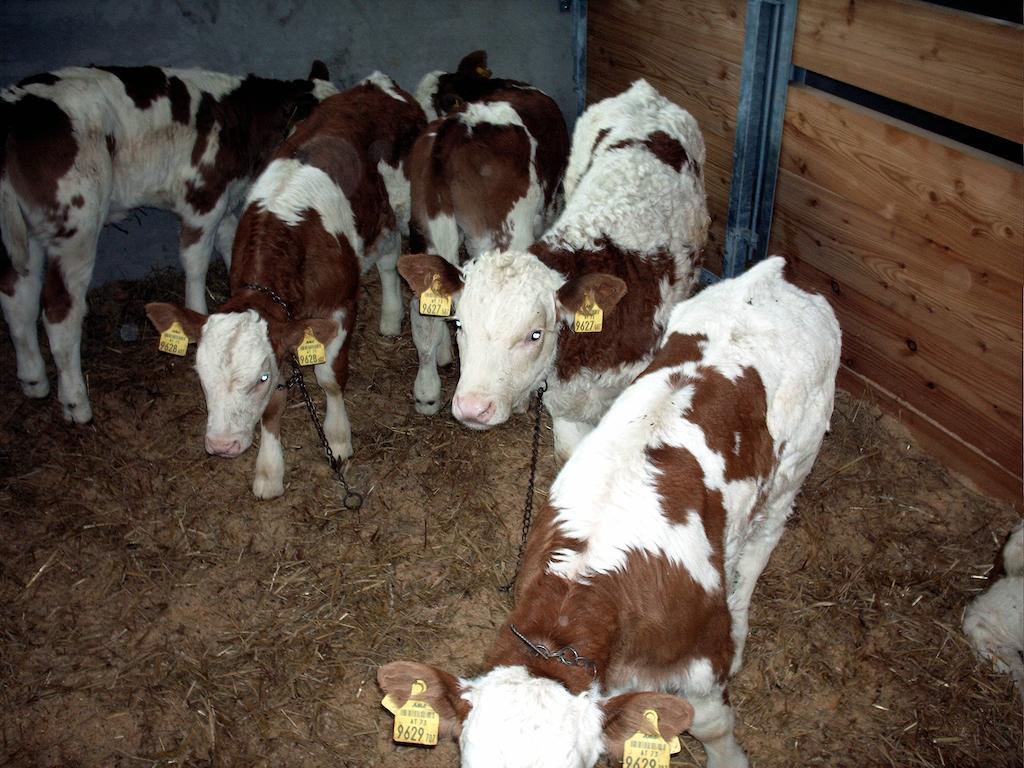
pixel 526 39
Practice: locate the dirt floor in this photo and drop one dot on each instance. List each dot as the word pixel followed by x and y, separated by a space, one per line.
pixel 152 613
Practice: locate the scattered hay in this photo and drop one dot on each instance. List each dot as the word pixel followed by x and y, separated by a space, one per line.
pixel 153 613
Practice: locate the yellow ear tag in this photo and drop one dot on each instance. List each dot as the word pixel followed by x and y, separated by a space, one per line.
pixel 174 341
pixel 433 302
pixel 589 317
pixel 311 351
pixel 644 751
pixel 483 71
pixel 416 722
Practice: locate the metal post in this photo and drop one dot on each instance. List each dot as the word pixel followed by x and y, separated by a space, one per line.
pixel 767 65
pixel 579 54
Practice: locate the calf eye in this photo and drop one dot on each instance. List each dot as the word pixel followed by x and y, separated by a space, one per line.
pixel 264 377
pixel 535 336
pixel 458 324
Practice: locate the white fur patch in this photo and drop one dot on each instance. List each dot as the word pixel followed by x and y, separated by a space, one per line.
pixel 521 721
pixel 425 94
pixel 289 188
pixel 385 83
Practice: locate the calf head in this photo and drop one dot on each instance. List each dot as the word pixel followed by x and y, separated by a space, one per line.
pixel 509 309
pixel 467 83
pixel 508 718
pixel 238 358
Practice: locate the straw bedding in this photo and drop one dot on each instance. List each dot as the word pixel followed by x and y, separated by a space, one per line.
pixel 152 613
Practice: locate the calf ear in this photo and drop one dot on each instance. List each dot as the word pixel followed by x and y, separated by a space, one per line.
pixel 162 315
pixel 419 271
pixel 624 716
pixel 607 290
pixel 475 65
pixel 319 71
pixel 444 692
pixel 291 333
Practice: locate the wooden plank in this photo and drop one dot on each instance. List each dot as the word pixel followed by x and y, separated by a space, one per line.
pixel 919 368
pixel 714 27
pixel 925 284
pixel 944 192
pixel 955 64
pixel 974 468
pixel 707 86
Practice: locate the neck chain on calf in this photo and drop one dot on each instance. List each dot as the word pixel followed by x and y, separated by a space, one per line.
pixel 568 656
pixel 352 499
pixel 538 404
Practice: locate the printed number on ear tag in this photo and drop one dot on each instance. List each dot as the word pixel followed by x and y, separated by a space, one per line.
pixel 644 751
pixel 311 351
pixel 589 317
pixel 433 302
pixel 416 722
pixel 174 341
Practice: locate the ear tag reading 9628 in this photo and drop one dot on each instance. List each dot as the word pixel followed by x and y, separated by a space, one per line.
pixel 174 341
pixel 589 317
pixel 433 302
pixel 416 722
pixel 310 351
pixel 643 751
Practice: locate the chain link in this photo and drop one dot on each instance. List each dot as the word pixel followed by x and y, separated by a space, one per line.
pixel 538 405
pixel 567 656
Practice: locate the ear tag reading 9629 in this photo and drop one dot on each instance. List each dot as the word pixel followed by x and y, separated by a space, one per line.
pixel 433 302
pixel 644 751
pixel 174 341
pixel 416 722
pixel 589 317
pixel 310 351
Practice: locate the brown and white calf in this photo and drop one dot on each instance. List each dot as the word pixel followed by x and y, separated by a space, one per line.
pixel 80 147
pixel 330 205
pixel 630 238
pixel 643 562
pixel 485 175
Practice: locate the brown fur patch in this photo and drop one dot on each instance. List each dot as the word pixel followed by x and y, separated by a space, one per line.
pixel 41 148
pixel 629 332
pixel 56 299
pixel 144 85
pixel 78 201
pixel 664 147
pixel 733 416
pixel 180 99
pixel 678 348
pixel 190 235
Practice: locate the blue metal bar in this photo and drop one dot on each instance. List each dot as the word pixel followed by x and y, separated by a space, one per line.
pixel 767 64
pixel 579 54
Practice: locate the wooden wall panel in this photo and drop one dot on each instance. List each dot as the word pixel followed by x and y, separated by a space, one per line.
pixel 919 244
pixel 954 64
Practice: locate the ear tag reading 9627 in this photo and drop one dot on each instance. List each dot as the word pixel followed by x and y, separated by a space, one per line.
pixel 416 722
pixel 589 317
pixel 174 341
pixel 310 351
pixel 433 302
pixel 643 751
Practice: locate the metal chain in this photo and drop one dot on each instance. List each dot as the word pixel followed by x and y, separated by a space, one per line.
pixel 352 500
pixel 568 655
pixel 538 404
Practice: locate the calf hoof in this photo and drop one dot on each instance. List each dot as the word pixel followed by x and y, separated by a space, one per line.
pixel 390 327
pixel 266 487
pixel 39 388
pixel 77 413
pixel 341 451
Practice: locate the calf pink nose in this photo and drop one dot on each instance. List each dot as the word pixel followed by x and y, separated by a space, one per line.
pixel 228 447
pixel 473 408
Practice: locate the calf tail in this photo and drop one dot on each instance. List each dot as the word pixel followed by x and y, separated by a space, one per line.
pixel 13 230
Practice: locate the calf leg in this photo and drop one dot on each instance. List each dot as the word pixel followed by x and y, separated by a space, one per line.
pixel 268 483
pixel 226 236
pixel 68 274
pixel 21 311
pixel 196 246
pixel 332 377
pixel 567 436
pixel 714 726
pixel 391 307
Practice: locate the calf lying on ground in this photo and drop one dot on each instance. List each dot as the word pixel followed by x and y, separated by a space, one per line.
pixel 629 240
pixel 641 566
pixel 994 620
pixel 487 175
pixel 329 206
pixel 82 146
